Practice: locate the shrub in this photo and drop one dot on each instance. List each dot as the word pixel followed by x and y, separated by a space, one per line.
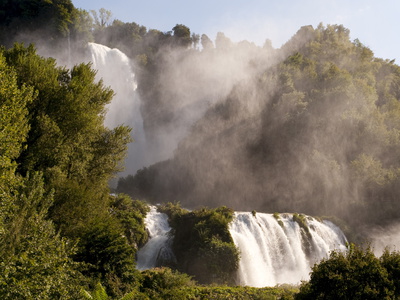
pixel 202 243
pixel 357 274
pixel 164 283
pixel 391 262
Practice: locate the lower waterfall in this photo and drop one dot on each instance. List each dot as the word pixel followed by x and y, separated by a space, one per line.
pixel 274 249
pixel 158 248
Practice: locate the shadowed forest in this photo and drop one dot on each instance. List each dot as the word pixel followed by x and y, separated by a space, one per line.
pixel 311 127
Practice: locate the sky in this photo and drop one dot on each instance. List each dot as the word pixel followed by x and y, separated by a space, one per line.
pixel 375 23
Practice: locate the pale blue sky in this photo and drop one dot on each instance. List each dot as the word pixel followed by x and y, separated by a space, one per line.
pixel 375 23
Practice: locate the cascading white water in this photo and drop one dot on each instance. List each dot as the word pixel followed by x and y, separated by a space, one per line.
pixel 114 68
pixel 158 249
pixel 273 253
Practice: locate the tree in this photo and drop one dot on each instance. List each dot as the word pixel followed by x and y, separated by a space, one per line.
pixel 131 214
pixel 222 42
pixel 67 135
pixel 102 18
pixel 13 133
pixel 182 35
pixel 356 274
pixel 391 262
pixel 26 19
pixel 206 42
pixel 195 39
pixel 60 133
pixel 35 262
pixel 107 256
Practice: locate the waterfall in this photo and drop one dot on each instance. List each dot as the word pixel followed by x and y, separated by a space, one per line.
pixel 114 68
pixel 275 249
pixel 157 251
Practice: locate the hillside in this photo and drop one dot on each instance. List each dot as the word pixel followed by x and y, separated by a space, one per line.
pixel 314 129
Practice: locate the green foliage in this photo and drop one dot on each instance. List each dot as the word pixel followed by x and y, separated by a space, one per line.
pixel 13 114
pixel 182 35
pixel 35 262
pixel 107 256
pixel 100 293
pixel 301 220
pixel 356 274
pixel 391 262
pixel 29 20
pixel 241 293
pixel 131 214
pixel 55 126
pixel 166 284
pixel 66 118
pixel 202 243
pixel 174 211
pixel 163 283
pixel 278 219
pixel 13 132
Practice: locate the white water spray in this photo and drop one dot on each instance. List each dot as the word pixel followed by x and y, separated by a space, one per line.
pixel 273 253
pixel 114 68
pixel 158 249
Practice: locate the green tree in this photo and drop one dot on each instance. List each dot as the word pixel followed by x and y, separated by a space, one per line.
pixel 25 19
pixel 13 132
pixel 64 138
pixel 67 139
pixel 182 35
pixel 391 262
pixel 107 256
pixel 202 243
pixel 131 214
pixel 35 262
pixel 100 293
pixel 356 274
pixel 164 283
pixel 206 42
pixel 102 18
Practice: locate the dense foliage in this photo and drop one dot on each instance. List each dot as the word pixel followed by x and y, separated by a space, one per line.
pixel 56 160
pixel 202 243
pixel 357 274
pixel 163 283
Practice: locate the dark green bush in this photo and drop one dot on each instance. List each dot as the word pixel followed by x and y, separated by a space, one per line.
pixel 164 283
pixel 131 214
pixel 356 274
pixel 391 262
pixel 202 243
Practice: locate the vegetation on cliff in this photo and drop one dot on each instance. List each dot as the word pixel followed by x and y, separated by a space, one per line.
pixel 202 243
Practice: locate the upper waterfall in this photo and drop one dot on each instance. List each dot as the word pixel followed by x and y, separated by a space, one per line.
pixel 275 249
pixel 114 68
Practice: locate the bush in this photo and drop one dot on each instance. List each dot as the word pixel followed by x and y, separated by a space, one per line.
pixel 356 274
pixel 107 256
pixel 131 214
pixel 391 262
pixel 202 243
pixel 163 283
